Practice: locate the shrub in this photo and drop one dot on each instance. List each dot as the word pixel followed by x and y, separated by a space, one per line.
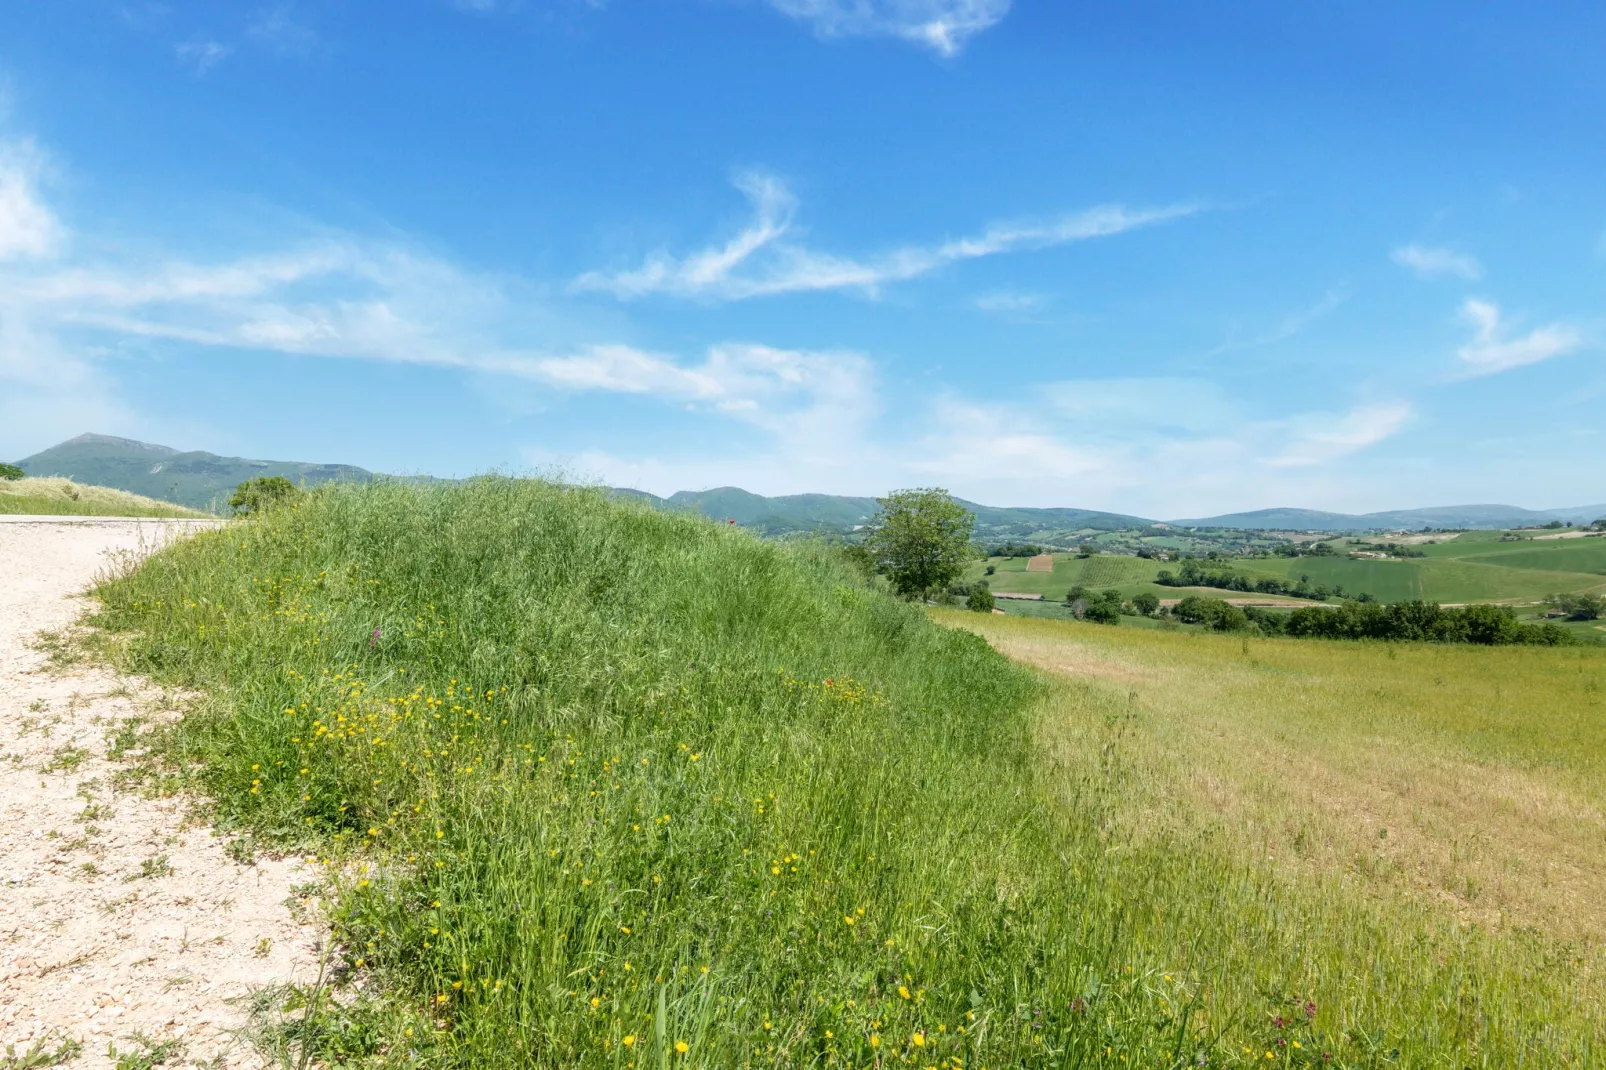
pixel 10 472
pixel 1104 608
pixel 981 600
pixel 263 493
pixel 1146 603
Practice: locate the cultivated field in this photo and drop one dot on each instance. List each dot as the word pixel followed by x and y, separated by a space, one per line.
pixel 592 785
pixel 1471 567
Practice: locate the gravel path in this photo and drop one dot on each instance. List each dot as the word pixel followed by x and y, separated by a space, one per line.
pixel 120 917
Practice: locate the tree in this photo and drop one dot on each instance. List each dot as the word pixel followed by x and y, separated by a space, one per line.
pixel 10 471
pixel 921 540
pixel 981 600
pixel 263 493
pixel 1146 602
pixel 1104 608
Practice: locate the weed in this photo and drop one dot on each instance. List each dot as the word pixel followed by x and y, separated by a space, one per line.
pixel 94 812
pixel 43 1053
pixel 242 850
pixel 151 868
pixel 147 1052
pixel 66 759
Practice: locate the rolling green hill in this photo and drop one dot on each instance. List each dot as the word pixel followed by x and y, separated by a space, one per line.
pixel 195 479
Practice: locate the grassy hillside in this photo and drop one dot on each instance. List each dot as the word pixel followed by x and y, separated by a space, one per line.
pixel 195 479
pixel 63 497
pixel 600 786
pixel 1417 778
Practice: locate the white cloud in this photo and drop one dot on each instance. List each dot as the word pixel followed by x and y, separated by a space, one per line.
pixel 339 296
pixel 940 25
pixel 202 56
pixel 1320 438
pixel 27 227
pixel 1431 262
pixel 1007 301
pixel 1490 351
pixel 281 30
pixel 760 260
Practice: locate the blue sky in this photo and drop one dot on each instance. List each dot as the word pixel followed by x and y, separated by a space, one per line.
pixel 1150 257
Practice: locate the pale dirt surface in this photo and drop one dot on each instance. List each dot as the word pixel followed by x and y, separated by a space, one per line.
pixel 99 938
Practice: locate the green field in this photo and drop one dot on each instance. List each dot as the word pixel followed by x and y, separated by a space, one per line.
pixel 592 785
pixel 1474 567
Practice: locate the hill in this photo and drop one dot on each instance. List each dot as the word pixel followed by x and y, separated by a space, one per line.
pixel 1474 517
pixel 63 497
pixel 597 785
pixel 793 513
pixel 203 480
pixel 195 479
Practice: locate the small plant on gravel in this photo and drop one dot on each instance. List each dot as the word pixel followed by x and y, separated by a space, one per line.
pixel 93 812
pixel 151 867
pixel 66 759
pixel 242 851
pixel 123 738
pixel 264 948
pixel 148 1053
pixel 42 1054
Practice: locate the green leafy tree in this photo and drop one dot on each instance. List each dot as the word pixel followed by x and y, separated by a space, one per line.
pixel 921 540
pixel 11 471
pixel 263 493
pixel 1104 608
pixel 981 600
pixel 1146 603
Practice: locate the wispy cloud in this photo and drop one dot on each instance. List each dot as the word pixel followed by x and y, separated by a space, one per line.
pixel 27 227
pixel 1291 325
pixel 341 296
pixel 940 25
pixel 1320 438
pixel 762 260
pixel 281 29
pixel 1008 301
pixel 1490 351
pixel 202 56
pixel 1431 262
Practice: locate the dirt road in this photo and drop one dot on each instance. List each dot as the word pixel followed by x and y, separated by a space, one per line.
pixel 125 926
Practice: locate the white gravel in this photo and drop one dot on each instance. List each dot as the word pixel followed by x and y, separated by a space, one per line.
pixel 122 918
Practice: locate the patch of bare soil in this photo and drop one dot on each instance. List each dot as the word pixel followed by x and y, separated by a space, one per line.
pixel 127 928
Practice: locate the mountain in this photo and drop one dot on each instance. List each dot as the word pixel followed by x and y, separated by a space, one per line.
pixel 204 480
pixel 1443 516
pixel 197 479
pixel 1280 519
pixel 790 513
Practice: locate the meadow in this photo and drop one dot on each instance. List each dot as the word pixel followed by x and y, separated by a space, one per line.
pixel 55 496
pixel 592 785
pixel 1470 567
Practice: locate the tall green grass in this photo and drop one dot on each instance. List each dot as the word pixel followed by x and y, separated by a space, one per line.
pixel 599 786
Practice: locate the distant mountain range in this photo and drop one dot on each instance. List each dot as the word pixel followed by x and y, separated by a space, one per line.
pixel 204 480
pixel 1444 516
pixel 196 479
